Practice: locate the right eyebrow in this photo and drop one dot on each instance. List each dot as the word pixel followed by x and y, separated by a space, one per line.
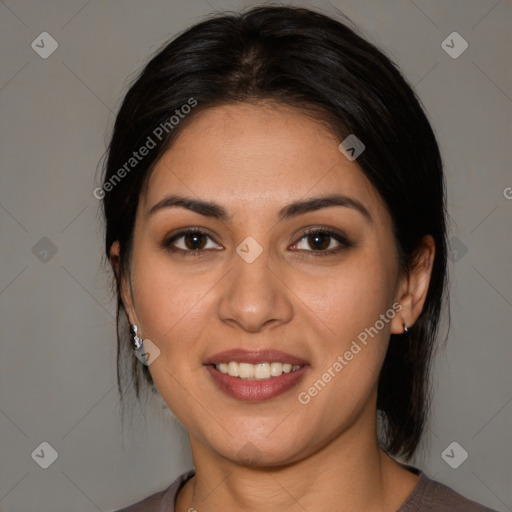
pixel 206 208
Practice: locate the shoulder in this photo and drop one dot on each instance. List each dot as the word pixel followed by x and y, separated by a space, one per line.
pixel 430 495
pixel 162 501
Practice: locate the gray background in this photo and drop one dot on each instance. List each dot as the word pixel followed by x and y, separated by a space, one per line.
pixel 57 371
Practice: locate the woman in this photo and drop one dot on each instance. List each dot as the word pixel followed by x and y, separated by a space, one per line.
pixel 275 218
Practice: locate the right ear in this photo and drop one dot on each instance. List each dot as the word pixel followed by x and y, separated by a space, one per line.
pixel 123 283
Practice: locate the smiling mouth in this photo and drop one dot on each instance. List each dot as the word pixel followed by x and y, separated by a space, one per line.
pixel 259 371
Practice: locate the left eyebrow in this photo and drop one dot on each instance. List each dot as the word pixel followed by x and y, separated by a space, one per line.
pixel 316 203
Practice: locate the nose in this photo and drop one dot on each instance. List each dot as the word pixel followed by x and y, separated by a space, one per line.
pixel 255 296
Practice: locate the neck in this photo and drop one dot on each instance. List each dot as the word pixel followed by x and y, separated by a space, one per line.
pixel 349 473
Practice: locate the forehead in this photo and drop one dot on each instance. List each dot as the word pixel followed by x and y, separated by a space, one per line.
pixel 263 155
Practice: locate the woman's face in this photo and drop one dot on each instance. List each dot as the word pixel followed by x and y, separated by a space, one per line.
pixel 254 281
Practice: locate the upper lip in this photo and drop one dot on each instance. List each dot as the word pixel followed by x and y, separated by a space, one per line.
pixel 254 357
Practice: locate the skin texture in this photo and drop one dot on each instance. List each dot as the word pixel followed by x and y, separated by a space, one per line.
pixel 253 160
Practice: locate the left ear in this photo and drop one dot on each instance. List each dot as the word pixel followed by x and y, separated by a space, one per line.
pixel 413 286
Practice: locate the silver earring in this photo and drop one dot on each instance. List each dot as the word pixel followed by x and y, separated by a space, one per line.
pixel 136 339
pixel 406 329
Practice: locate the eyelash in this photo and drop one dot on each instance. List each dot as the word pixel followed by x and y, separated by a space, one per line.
pixel 341 239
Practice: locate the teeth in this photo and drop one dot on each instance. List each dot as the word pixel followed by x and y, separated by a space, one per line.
pixel 262 371
pixel 276 369
pixel 256 371
pixel 233 370
pixel 246 371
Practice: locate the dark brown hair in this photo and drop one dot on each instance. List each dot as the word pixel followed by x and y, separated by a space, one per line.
pixel 321 67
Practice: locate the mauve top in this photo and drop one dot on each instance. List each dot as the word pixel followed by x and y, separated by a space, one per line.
pixel 427 496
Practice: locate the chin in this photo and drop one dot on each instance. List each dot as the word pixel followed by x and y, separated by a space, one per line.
pixel 253 451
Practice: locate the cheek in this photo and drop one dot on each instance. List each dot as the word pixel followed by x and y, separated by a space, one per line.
pixel 169 307
pixel 351 356
pixel 352 296
pixel 350 303
pixel 167 302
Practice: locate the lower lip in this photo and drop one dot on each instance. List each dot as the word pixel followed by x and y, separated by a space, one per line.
pixel 256 390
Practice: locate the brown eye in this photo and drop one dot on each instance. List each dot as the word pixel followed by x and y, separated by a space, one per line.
pixel 319 241
pixel 194 241
pixel 322 242
pixel 191 241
